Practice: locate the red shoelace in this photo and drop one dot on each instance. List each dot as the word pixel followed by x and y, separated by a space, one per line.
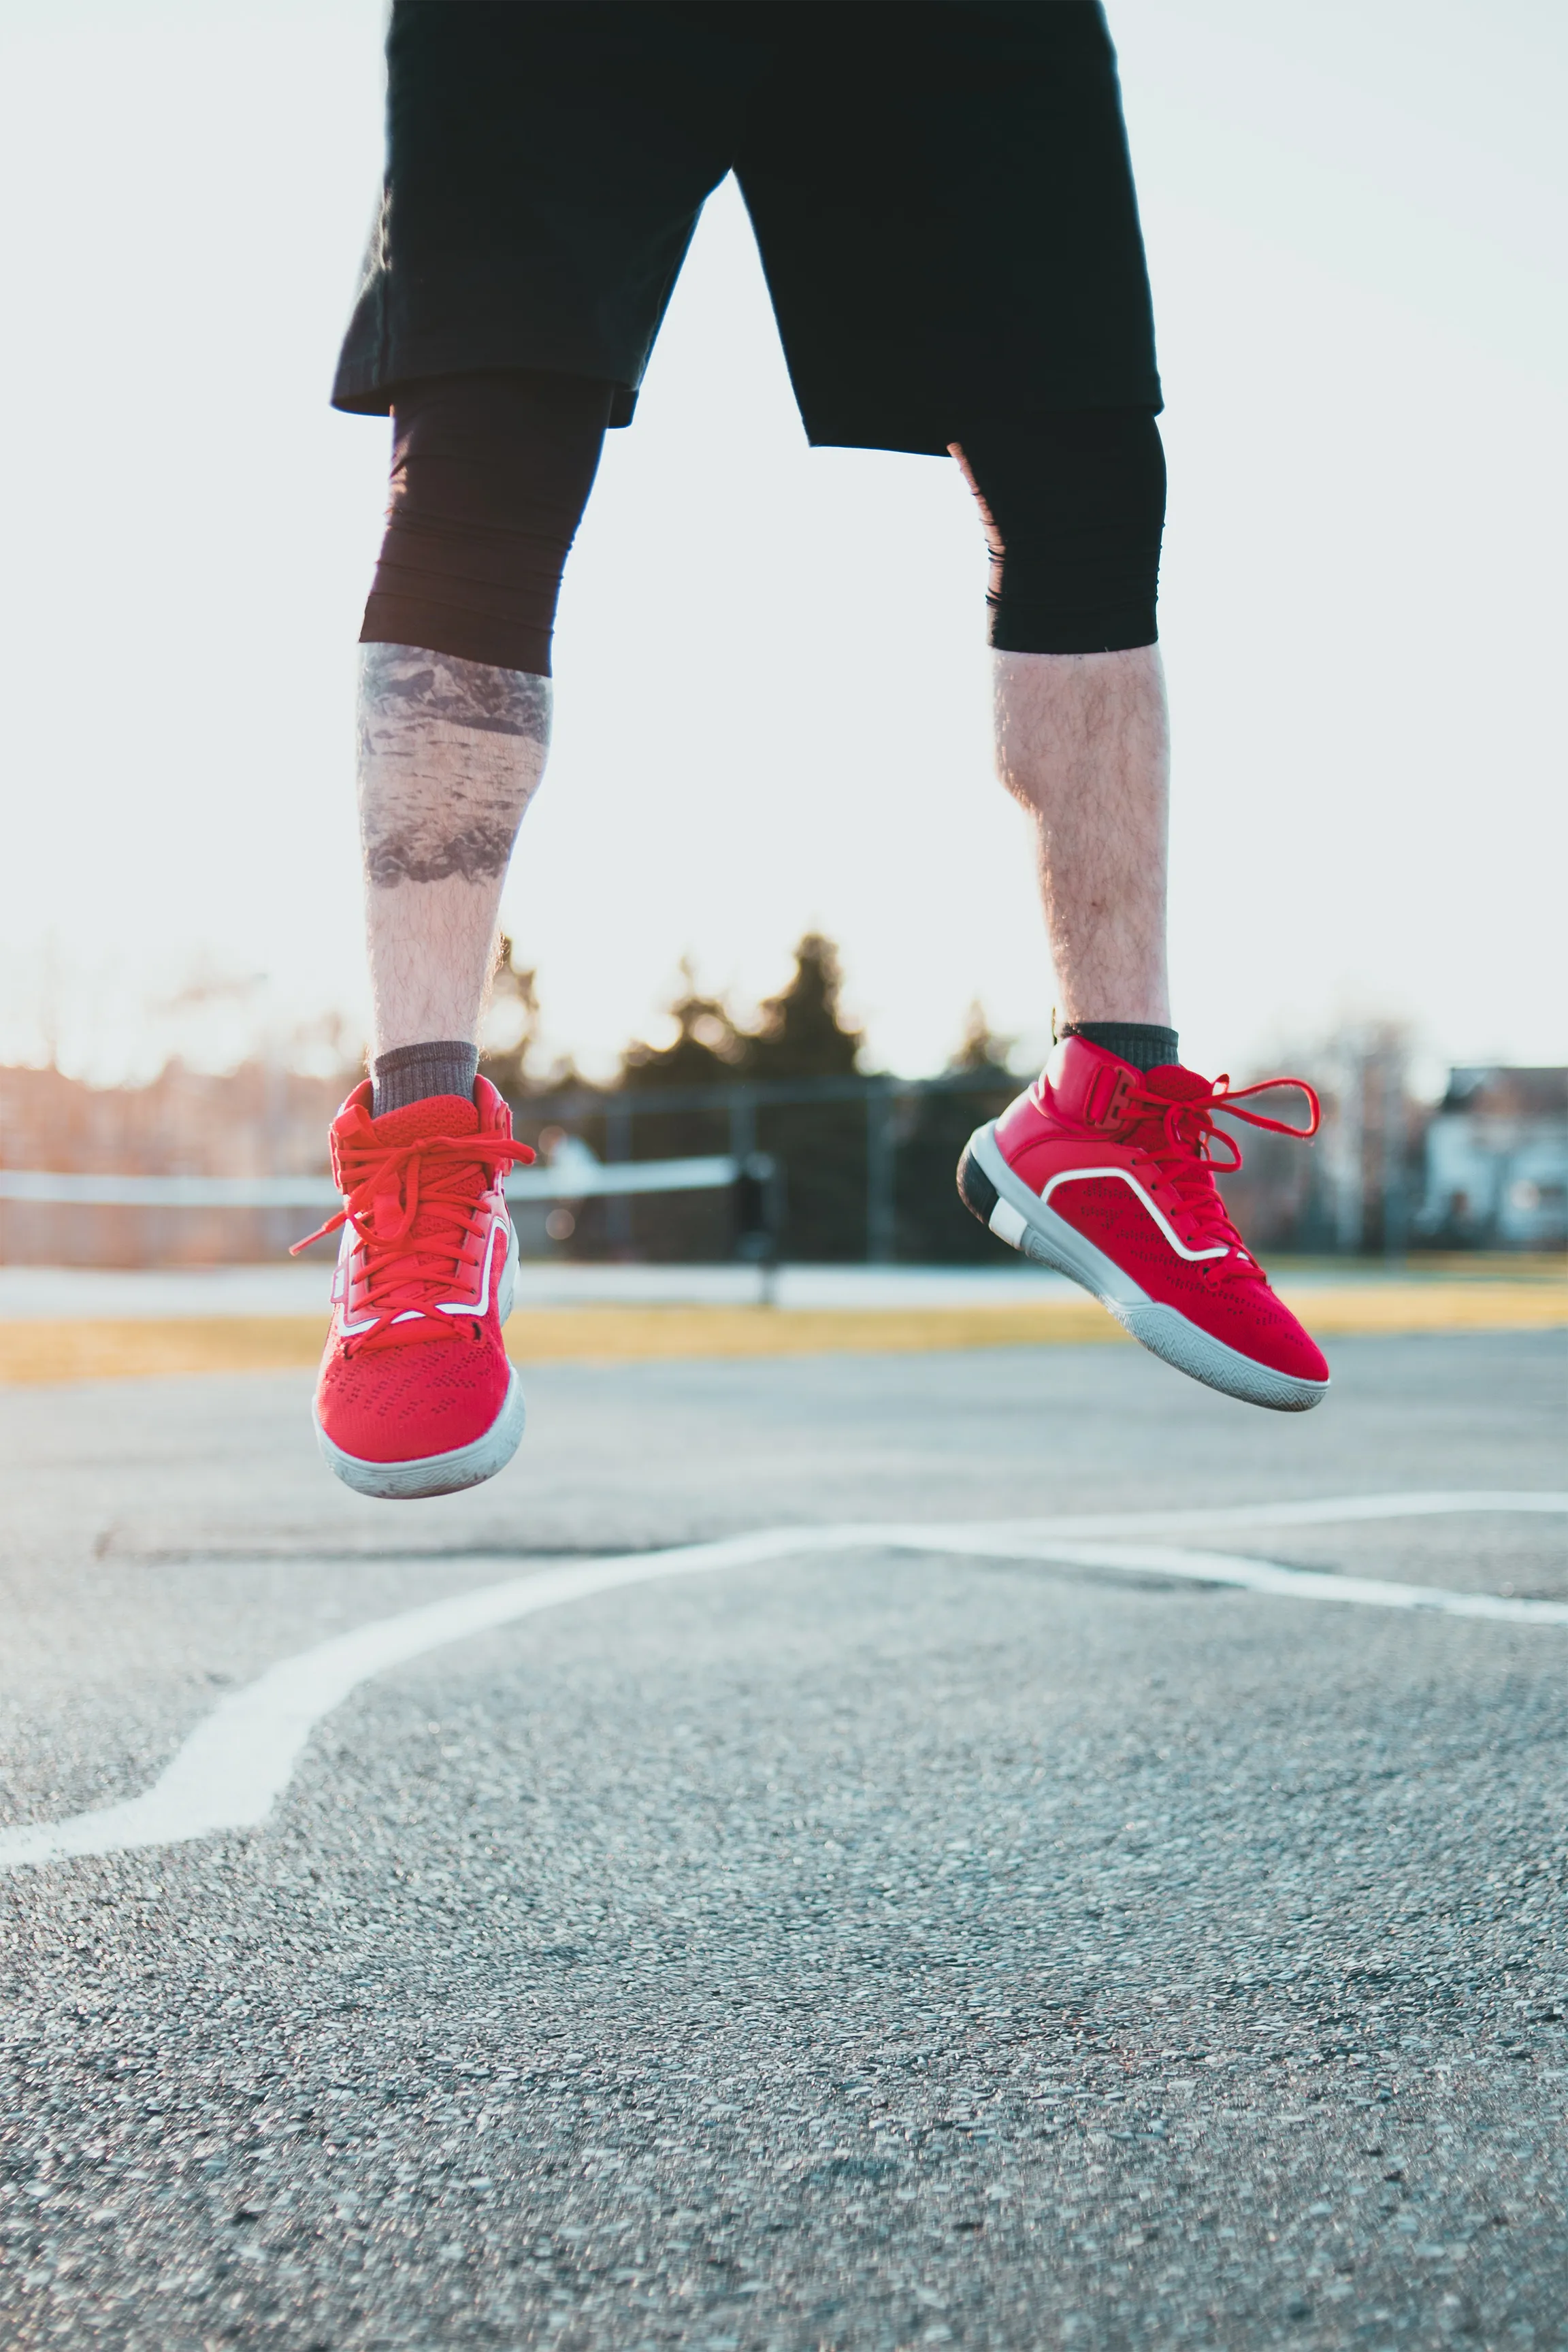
pixel 392 1189
pixel 1187 1165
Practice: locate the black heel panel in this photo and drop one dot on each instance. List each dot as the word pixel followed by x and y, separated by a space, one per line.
pixel 976 1189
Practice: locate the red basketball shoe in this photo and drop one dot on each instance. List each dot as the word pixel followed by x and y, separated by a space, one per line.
pixel 415 1395
pixel 1104 1173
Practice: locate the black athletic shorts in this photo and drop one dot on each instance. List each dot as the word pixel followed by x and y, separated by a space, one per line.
pixel 940 188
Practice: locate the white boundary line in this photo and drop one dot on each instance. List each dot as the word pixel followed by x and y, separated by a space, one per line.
pixel 235 1764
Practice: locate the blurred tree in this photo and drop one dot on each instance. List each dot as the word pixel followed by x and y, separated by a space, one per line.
pixel 802 1033
pixel 981 1053
pixel 705 1053
pixel 708 1051
pixel 933 1225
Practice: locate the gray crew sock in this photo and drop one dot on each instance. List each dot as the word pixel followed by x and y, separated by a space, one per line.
pixel 445 1067
pixel 1142 1042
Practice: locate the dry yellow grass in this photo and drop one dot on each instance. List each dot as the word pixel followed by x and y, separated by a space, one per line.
pixel 1393 1307
pixel 33 1354
pixel 38 1353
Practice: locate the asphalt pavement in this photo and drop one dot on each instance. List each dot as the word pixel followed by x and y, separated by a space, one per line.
pixel 864 1949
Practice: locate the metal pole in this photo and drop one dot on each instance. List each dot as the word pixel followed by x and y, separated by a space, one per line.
pixel 1351 1147
pixel 743 1109
pixel 775 1207
pixel 618 1147
pixel 1395 1204
pixel 881 1154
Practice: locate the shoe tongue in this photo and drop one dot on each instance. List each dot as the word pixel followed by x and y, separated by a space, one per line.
pixel 432 1114
pixel 1175 1083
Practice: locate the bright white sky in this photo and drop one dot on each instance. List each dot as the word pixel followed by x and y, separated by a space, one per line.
pixel 771 676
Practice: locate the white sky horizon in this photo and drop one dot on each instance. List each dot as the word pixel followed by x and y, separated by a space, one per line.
pixel 772 682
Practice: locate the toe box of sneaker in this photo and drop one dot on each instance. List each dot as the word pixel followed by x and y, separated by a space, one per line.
pixel 409 1402
pixel 1249 1317
pixel 1240 1311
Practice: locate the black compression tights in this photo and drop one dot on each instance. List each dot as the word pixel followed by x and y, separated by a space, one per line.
pixel 1074 505
pixel 490 475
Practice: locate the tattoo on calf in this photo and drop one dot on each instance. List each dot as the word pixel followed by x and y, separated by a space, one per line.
pixel 405 685
pixel 450 752
pixel 477 853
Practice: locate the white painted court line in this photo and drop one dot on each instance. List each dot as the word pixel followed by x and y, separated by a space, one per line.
pixel 235 1765
pixel 1329 1510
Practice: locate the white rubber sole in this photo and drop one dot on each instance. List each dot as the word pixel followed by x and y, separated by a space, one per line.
pixel 465 1465
pixel 1021 1218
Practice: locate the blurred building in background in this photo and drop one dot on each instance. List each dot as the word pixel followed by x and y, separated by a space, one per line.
pixel 1496 1172
pixel 261 1119
pixel 1485 1168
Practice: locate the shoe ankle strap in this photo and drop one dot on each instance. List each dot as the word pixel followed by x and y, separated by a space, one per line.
pixel 1107 1095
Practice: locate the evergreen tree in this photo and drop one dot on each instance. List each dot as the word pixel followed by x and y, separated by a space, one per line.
pixel 708 1051
pixel 933 1225
pixel 802 1033
pixel 981 1053
pixel 823 1145
pixel 705 1053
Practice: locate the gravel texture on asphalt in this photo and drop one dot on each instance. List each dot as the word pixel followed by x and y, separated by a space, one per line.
pixel 852 1953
